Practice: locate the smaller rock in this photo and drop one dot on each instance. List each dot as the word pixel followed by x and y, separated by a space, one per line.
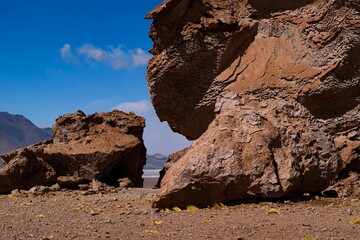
pixel 25 171
pixel 93 213
pixel 71 181
pixel 84 187
pixel 15 192
pixel 55 188
pixel 39 190
pixel 99 187
pixel 125 183
pixel 89 192
pixel 349 186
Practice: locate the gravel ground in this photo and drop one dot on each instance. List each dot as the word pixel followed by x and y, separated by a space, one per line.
pixel 127 214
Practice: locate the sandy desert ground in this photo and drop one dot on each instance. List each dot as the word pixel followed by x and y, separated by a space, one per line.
pixel 127 214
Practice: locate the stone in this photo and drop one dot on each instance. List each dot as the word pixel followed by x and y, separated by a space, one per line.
pixel 348 187
pixel 125 183
pixel 269 91
pixel 101 146
pixel 305 49
pixel 39 190
pixel 55 188
pixel 71 181
pixel 97 186
pixel 25 171
pixel 349 147
pixel 173 158
pixel 84 187
pixel 252 152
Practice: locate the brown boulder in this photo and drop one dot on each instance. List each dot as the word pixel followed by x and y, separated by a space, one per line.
pixel 348 144
pixel 71 181
pixel 173 158
pixel 25 171
pixel 288 74
pixel 267 149
pixel 306 49
pixel 102 146
pixel 348 187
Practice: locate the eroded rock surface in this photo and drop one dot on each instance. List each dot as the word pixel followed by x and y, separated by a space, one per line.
pixel 271 148
pixel 102 146
pixel 298 58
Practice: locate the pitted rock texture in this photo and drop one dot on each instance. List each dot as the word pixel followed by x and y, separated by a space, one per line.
pixel 173 158
pixel 298 58
pixel 348 144
pixel 267 149
pixel 25 171
pixel 102 146
pixel 307 50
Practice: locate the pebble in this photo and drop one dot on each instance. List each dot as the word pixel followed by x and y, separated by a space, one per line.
pixel 92 213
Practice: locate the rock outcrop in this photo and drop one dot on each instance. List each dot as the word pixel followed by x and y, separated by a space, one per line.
pixel 265 87
pixel 173 158
pixel 102 146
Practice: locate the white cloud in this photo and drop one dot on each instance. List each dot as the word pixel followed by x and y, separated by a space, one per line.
pixel 115 58
pixel 67 54
pixel 140 57
pixel 91 52
pixel 158 136
pixel 140 108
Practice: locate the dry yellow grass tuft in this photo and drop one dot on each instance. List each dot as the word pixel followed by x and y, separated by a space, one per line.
pixel 273 211
pixel 355 221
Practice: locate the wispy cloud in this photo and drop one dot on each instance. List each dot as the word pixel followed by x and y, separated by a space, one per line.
pixel 158 136
pixel 140 108
pixel 67 54
pixel 140 57
pixel 114 57
pixel 91 52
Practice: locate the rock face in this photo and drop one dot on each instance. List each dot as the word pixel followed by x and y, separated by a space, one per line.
pixel 102 146
pixel 25 171
pixel 173 158
pixel 349 146
pixel 265 87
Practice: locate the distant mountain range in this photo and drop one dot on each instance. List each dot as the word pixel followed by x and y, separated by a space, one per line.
pixel 155 161
pixel 16 131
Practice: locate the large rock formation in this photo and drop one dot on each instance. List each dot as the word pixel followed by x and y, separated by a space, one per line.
pixel 268 85
pixel 103 146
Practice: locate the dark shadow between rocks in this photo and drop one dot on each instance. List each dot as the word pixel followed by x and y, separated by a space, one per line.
pixel 264 8
pixel 331 104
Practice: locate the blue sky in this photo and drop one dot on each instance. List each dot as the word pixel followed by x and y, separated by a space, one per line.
pixel 58 56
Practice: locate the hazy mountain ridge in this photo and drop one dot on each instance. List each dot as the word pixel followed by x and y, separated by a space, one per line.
pixel 155 161
pixel 16 131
